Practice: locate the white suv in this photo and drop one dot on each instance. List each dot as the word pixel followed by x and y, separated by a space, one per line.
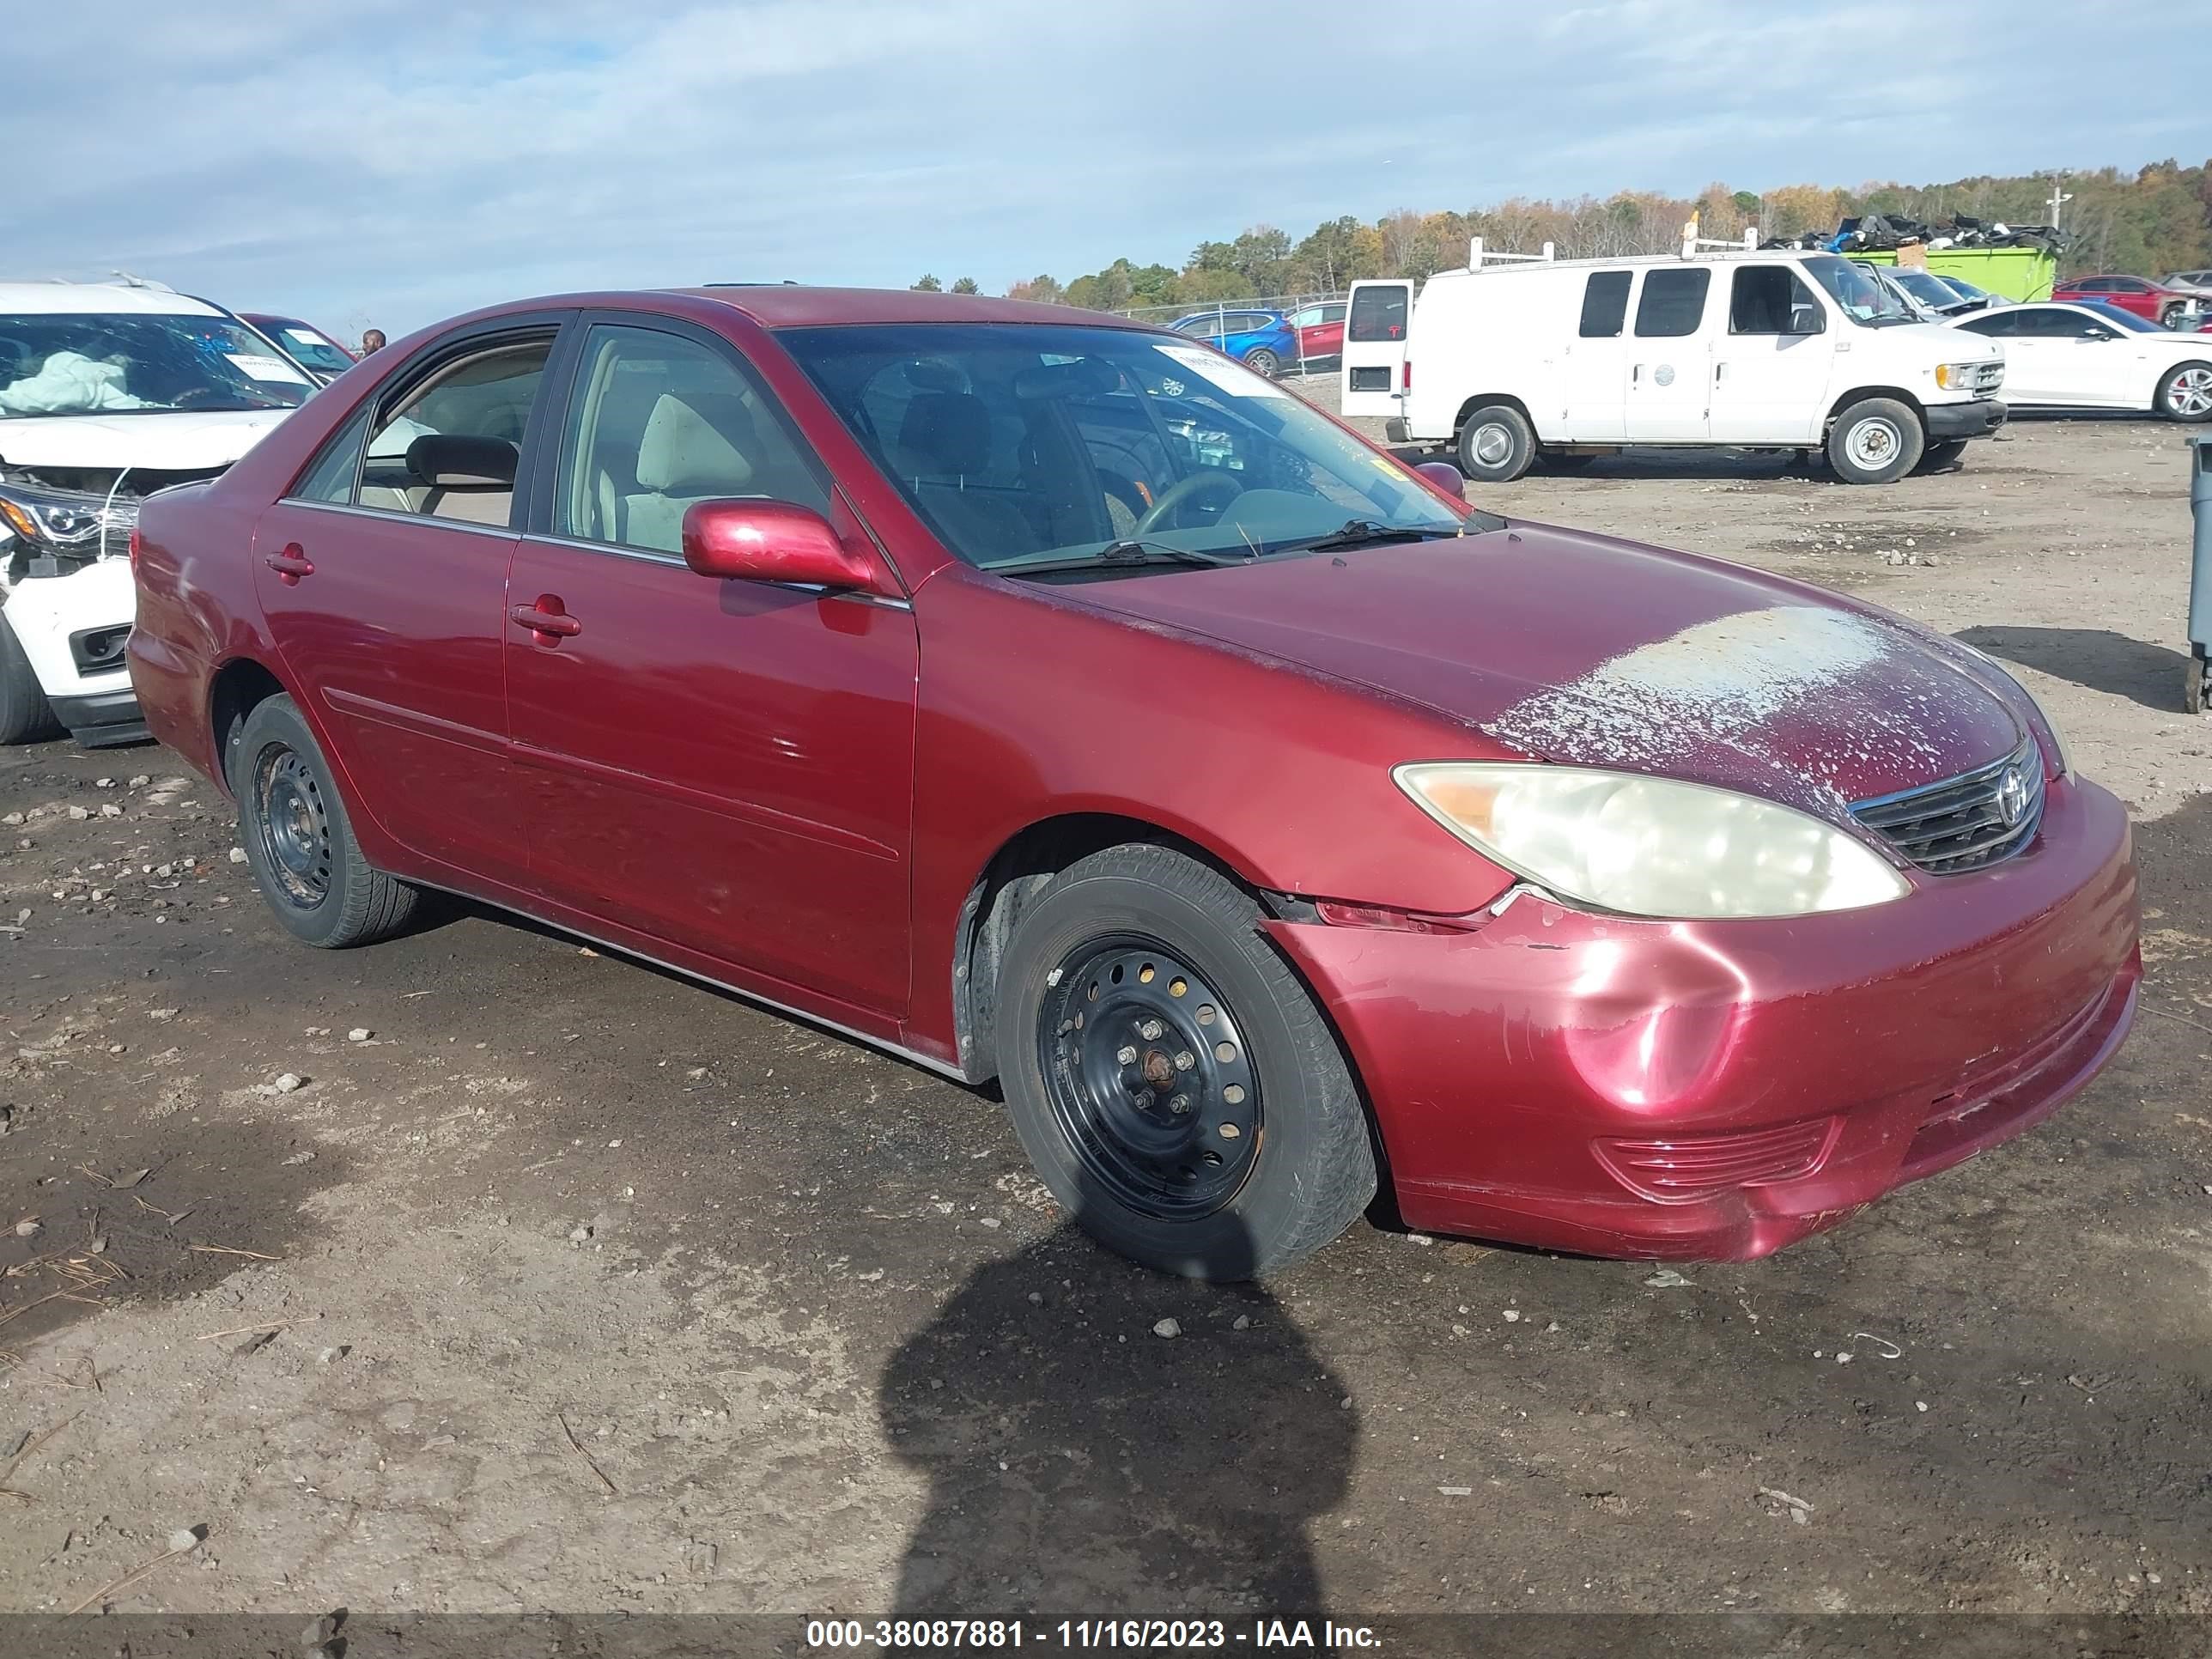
pixel 109 392
pixel 1559 359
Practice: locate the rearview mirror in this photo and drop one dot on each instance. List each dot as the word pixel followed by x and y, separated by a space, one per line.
pixel 765 541
pixel 1445 476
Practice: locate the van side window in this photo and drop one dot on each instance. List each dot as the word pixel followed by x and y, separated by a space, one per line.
pixel 1770 300
pixel 1674 302
pixel 1605 304
pixel 1378 313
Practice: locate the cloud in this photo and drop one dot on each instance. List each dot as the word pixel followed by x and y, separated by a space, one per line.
pixel 401 161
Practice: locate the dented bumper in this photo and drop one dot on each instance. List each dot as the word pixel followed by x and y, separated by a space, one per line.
pixel 1718 1090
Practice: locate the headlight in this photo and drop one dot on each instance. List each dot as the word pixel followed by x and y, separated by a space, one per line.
pixel 1957 377
pixel 67 522
pixel 1651 847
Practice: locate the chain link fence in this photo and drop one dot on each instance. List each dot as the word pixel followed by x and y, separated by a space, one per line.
pixel 1315 318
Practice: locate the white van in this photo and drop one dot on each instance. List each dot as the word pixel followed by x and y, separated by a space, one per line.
pixel 1561 360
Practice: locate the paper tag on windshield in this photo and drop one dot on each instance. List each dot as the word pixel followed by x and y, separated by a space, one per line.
pixel 1233 378
pixel 305 337
pixel 266 369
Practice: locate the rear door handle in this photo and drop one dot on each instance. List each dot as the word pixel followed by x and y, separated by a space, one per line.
pixel 547 619
pixel 291 564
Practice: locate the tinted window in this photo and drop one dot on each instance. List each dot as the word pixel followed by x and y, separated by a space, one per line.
pixel 1202 326
pixel 1605 304
pixel 331 478
pixel 1999 325
pixel 2127 285
pixel 1673 302
pixel 658 422
pixel 1378 313
pixel 1770 300
pixel 450 447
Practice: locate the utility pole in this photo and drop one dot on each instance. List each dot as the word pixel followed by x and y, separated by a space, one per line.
pixel 2059 197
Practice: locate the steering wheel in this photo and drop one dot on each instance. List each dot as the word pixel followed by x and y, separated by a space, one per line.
pixel 1207 480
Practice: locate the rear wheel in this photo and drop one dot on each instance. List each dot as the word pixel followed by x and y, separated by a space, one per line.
pixel 299 842
pixel 1169 1077
pixel 1876 440
pixel 2186 393
pixel 1261 361
pixel 25 715
pixel 1496 444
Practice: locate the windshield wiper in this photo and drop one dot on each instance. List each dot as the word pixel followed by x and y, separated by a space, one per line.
pixel 1126 554
pixel 1366 532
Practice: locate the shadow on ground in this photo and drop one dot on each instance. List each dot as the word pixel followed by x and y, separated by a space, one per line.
pixel 2097 658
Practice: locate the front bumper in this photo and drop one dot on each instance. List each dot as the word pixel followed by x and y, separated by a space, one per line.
pixel 103 720
pixel 72 628
pixel 1806 1066
pixel 1976 419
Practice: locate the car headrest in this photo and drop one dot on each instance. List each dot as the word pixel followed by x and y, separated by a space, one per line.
pixel 1086 377
pixel 457 460
pixel 696 444
pixel 947 434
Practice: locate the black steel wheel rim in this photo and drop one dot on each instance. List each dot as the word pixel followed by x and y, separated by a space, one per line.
pixel 1150 1077
pixel 293 822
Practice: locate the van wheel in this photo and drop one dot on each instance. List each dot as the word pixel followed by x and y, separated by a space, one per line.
pixel 1940 456
pixel 299 842
pixel 25 715
pixel 1876 440
pixel 1496 444
pixel 1169 1075
pixel 2186 393
pixel 1261 361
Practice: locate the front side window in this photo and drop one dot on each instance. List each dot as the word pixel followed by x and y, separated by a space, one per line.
pixel 660 423
pixel 1022 443
pixel 1605 304
pixel 1377 314
pixel 450 446
pixel 1673 302
pixel 1770 299
pixel 126 363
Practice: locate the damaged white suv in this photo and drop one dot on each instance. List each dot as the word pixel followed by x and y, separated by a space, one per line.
pixel 109 392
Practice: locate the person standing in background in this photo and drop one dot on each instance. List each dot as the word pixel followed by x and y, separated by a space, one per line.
pixel 372 339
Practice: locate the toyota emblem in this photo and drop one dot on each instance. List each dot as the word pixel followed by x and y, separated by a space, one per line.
pixel 2012 798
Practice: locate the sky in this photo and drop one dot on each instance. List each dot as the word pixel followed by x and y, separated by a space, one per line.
pixel 398 163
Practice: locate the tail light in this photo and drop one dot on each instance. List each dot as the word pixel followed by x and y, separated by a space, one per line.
pixel 1682 1168
pixel 1406 376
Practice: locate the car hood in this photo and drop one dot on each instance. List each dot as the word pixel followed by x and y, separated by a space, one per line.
pixel 175 440
pixel 1593 651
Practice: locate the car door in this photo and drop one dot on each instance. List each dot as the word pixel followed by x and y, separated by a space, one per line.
pixel 1772 368
pixel 1669 359
pixel 1594 366
pixel 1372 369
pixel 725 766
pixel 382 579
pixel 2081 360
pixel 2026 357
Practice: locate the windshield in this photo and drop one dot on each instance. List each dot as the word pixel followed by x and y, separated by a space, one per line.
pixel 2107 312
pixel 1924 287
pixel 311 347
pixel 1863 300
pixel 92 362
pixel 1016 442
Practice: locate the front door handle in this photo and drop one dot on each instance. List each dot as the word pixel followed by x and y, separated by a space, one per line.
pixel 291 564
pixel 548 619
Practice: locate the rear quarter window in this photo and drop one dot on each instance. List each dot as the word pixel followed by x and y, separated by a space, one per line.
pixel 1605 304
pixel 1673 302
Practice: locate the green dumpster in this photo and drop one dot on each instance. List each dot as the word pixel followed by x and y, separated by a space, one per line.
pixel 2017 273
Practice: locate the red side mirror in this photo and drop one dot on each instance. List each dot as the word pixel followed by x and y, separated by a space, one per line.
pixel 772 542
pixel 1445 476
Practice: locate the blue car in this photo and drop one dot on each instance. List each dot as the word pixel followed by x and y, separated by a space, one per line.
pixel 1263 341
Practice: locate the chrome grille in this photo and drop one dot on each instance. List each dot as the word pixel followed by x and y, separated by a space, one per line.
pixel 1966 822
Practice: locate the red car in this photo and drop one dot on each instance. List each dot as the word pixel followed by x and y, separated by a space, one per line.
pixel 2153 301
pixel 1321 329
pixel 1042 697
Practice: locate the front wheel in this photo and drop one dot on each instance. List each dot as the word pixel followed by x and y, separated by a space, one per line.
pixel 299 842
pixel 1496 444
pixel 1169 1075
pixel 1876 440
pixel 1262 361
pixel 2186 393
pixel 25 715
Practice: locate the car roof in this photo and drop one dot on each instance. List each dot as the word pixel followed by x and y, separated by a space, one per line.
pixel 796 305
pixel 45 299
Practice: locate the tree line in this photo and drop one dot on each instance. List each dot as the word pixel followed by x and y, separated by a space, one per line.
pixel 2153 220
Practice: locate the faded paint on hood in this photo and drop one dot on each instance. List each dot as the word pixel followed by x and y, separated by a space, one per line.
pixel 1593 652
pixel 170 441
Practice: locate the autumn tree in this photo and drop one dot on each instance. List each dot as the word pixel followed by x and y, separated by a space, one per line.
pixel 1043 289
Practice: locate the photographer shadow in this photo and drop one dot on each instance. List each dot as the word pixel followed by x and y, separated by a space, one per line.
pixel 1083 1464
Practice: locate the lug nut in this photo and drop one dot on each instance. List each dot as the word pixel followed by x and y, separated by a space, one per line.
pixel 1150 1030
pixel 1179 1105
pixel 1126 1054
pixel 1185 1060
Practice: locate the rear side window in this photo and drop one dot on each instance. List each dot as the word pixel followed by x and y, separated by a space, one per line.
pixel 1605 304
pixel 1378 313
pixel 331 478
pixel 1672 304
pixel 2001 324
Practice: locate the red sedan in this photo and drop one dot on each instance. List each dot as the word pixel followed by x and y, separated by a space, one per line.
pixel 1321 329
pixel 2152 302
pixel 1044 697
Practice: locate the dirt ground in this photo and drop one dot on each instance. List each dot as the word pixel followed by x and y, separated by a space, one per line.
pixel 558 1282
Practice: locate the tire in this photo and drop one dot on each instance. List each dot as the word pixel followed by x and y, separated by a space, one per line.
pixel 1262 361
pixel 1939 456
pixel 298 840
pixel 2171 315
pixel 2184 394
pixel 1266 1159
pixel 25 716
pixel 1876 440
pixel 1496 444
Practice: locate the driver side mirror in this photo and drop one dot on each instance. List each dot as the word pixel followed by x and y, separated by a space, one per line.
pixel 1445 476
pixel 765 541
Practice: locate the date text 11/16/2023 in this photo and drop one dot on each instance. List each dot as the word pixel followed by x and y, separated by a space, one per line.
pixel 989 1635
